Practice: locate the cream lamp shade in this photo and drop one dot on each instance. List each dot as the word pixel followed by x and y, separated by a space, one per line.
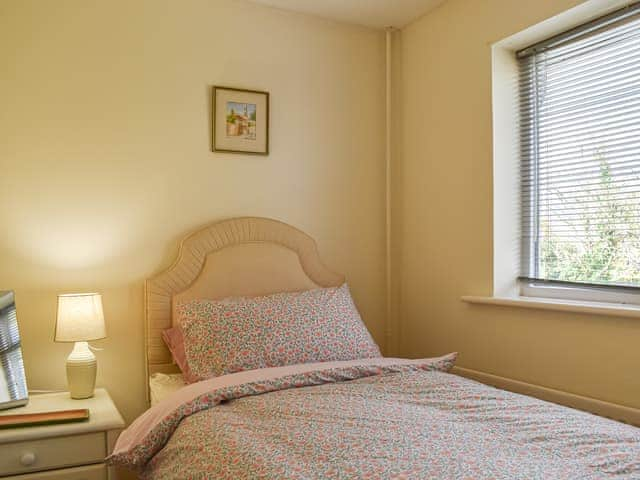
pixel 80 318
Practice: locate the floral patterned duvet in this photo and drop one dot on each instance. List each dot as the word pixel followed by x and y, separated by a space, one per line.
pixel 377 419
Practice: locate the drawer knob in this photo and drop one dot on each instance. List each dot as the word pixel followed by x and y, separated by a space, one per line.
pixel 27 459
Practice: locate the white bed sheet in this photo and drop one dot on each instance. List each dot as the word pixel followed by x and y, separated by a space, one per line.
pixel 162 385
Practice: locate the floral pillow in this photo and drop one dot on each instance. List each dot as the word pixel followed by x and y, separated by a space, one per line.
pixel 281 329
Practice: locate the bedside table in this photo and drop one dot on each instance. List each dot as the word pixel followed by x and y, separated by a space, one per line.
pixel 65 451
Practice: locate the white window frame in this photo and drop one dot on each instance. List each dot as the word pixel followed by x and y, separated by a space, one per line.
pixel 586 294
pixel 567 290
pixel 506 175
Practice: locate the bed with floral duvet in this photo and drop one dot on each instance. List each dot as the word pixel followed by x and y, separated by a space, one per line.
pixel 378 418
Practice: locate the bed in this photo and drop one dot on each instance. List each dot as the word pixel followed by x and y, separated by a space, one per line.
pixel 369 417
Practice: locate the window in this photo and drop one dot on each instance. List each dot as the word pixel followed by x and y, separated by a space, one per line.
pixel 12 379
pixel 579 95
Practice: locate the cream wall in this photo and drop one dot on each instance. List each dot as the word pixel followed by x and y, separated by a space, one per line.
pixel 444 216
pixel 105 161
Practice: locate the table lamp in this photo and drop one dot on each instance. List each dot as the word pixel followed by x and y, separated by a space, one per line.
pixel 80 319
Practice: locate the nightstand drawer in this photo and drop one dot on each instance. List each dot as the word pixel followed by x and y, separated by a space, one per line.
pixel 50 453
pixel 90 472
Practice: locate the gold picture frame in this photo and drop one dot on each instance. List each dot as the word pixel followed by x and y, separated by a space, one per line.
pixel 240 121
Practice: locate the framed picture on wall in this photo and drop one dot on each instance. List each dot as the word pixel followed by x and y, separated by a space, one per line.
pixel 240 121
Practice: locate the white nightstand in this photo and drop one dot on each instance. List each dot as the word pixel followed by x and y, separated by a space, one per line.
pixel 67 451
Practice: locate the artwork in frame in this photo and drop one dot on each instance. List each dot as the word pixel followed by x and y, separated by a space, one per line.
pixel 240 121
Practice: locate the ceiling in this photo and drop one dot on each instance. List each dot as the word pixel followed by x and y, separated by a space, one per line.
pixel 371 13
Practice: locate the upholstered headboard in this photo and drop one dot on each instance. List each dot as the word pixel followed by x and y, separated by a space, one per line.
pixel 246 256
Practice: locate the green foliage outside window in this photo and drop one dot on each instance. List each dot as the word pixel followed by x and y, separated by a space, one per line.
pixel 599 244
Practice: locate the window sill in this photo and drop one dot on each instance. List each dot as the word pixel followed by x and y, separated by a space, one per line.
pixel 592 308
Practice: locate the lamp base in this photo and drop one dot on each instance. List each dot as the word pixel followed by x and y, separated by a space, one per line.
pixel 81 371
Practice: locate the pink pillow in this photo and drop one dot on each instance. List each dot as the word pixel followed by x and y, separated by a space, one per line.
pixel 283 329
pixel 175 343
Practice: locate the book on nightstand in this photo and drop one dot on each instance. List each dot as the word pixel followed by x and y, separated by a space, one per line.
pixel 44 418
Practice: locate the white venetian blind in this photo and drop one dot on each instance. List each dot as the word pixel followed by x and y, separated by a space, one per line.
pixel 11 365
pixel 580 154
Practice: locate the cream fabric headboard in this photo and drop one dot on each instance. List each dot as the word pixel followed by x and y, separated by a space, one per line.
pixel 246 256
